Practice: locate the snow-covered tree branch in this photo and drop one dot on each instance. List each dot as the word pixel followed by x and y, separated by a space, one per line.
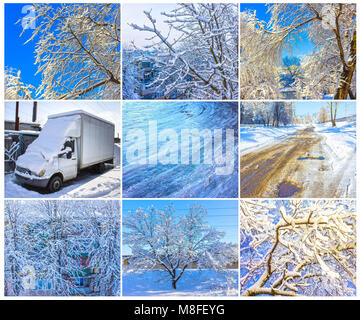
pixel 298 248
pixel 15 89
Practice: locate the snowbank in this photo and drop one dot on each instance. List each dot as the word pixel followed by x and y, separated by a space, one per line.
pixel 341 139
pixel 256 136
pixel 192 283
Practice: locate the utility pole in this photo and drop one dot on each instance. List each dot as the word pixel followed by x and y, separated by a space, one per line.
pixel 17 120
pixel 34 114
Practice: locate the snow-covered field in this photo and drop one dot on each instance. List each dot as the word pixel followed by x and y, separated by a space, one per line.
pixel 256 136
pixel 86 185
pixel 192 283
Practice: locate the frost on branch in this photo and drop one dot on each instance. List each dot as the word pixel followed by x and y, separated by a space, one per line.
pixel 78 50
pixel 329 69
pixel 161 240
pixel 198 57
pixel 298 248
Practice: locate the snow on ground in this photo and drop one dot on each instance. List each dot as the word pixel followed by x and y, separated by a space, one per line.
pixel 86 185
pixel 256 136
pixel 341 141
pixel 192 283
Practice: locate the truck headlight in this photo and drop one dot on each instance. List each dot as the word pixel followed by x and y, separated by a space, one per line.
pixel 42 172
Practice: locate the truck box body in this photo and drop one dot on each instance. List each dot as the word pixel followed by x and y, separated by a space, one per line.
pixel 96 139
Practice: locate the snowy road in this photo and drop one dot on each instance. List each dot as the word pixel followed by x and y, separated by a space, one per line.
pixel 304 165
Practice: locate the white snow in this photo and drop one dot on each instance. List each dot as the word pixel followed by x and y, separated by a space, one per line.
pixel 86 185
pixel 192 283
pixel 256 136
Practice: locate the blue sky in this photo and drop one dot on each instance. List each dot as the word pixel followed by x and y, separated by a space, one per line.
pixel 221 214
pixel 308 107
pixel 302 47
pixel 18 55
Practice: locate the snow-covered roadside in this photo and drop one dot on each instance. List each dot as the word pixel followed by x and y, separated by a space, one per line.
pixel 258 136
pixel 86 185
pixel 192 283
pixel 341 141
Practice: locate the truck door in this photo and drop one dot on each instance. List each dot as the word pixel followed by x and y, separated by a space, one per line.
pixel 68 159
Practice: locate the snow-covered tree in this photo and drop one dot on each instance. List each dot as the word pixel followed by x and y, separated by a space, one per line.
pixel 77 50
pixel 163 241
pixel 298 247
pixel 289 71
pixel 62 243
pixel 131 84
pixel 201 62
pixel 331 67
pixel 15 89
pixel 13 247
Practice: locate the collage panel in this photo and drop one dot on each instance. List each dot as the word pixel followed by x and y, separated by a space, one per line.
pixel 180 51
pixel 180 248
pixel 68 149
pixel 62 51
pixel 297 248
pixel 297 51
pixel 62 248
pixel 180 149
pixel 298 149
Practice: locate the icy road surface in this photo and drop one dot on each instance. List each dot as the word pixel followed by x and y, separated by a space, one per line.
pixel 86 185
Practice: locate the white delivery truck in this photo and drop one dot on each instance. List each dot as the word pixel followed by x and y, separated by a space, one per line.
pixel 67 143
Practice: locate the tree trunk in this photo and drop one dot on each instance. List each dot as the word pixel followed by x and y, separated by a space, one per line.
pixel 173 284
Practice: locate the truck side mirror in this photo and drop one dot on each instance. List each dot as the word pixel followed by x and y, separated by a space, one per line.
pixel 68 155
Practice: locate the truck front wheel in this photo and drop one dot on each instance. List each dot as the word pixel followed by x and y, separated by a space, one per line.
pixel 55 184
